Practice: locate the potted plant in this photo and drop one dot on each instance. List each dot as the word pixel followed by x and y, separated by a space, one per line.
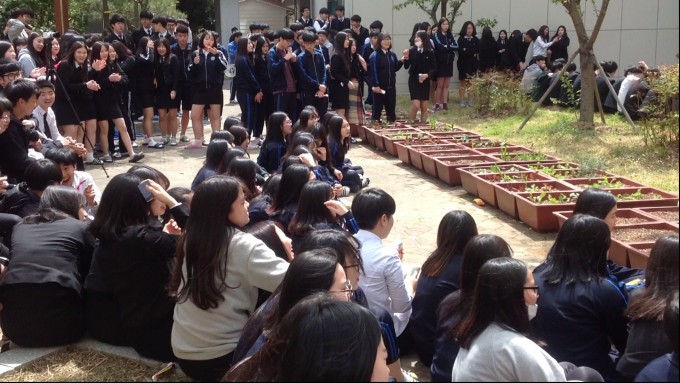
pixel 643 197
pixel 521 156
pixel 447 167
pixel 389 139
pixel 503 193
pixel 468 174
pixel 428 157
pixel 402 147
pixel 415 151
pixel 536 209
pixel 605 182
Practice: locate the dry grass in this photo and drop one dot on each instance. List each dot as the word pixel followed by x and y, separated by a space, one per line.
pixel 616 147
pixel 83 365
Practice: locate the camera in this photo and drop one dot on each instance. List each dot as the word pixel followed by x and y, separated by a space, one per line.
pixel 49 34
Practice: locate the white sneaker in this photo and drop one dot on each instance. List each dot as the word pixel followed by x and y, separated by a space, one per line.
pixel 173 141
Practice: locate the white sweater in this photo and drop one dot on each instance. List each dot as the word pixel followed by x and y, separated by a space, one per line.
pixel 209 334
pixel 502 355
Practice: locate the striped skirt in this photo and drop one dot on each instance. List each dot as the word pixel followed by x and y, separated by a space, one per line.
pixel 355 112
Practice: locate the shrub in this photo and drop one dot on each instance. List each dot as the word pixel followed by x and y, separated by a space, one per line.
pixel 499 94
pixel 659 112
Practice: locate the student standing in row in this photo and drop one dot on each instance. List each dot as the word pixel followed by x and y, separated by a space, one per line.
pixel 383 67
pixel 422 67
pixel 183 52
pixel 340 82
pixel 248 91
pixel 313 80
pixel 445 47
pixel 145 88
pixel 166 79
pixel 468 48
pixel 282 63
pixel 266 107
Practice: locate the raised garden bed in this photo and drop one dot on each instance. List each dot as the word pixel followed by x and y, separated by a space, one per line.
pixel 638 254
pixel 398 134
pixel 415 151
pixel 402 147
pixel 536 209
pixel 389 139
pixel 469 181
pixel 484 143
pixel 447 167
pixel 643 197
pixel 485 183
pixel 602 183
pixel 504 193
pixel 430 165
pixel 623 237
pixel 668 214
pixel 624 217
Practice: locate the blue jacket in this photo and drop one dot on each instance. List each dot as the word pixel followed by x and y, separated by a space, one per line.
pixel 662 369
pixel 277 66
pixel 270 156
pixel 382 69
pixel 209 71
pixel 245 76
pixel 579 322
pixel 312 71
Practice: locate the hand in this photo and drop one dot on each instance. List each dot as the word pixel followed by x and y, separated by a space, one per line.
pixel 149 44
pixel 321 152
pixel 212 50
pixel 90 196
pixel 322 88
pixel 3 271
pixel 319 94
pixel 172 228
pixel 522 66
pixel 337 190
pixel 350 85
pixel 114 77
pixel 92 85
pixel 377 89
pixel 336 207
pixel 422 77
pixel 363 63
pixel 258 97
pixel 3 185
pixel 405 54
pixel 173 94
pixel 307 159
pixel 338 174
pixel 501 51
pixel 155 83
pixel 160 194
pixel 98 65
pixel 37 72
pixel 556 39
pixel 197 59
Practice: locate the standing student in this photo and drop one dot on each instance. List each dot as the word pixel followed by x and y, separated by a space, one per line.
pixel 357 70
pixel 117 24
pixel 323 23
pixel 306 17
pixel 183 52
pixel 359 32
pixel 366 52
pixel 340 82
pixel 445 52
pixel 166 80
pixel 488 51
pixel 559 47
pixel 216 277
pixel 511 57
pixel 145 29
pixel 383 66
pixel 145 68
pixel 422 67
pixel 339 22
pixel 110 79
pixel 207 76
pixel 468 48
pixel 313 78
pixel 159 24
pixel 72 72
pixel 248 90
pixel 126 61
pixel 282 71
pixel 542 42
pixel 266 107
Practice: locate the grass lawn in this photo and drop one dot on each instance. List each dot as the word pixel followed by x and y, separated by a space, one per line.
pixel 614 147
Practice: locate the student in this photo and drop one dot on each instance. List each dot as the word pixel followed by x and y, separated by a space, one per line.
pixel 313 78
pixel 339 143
pixel 665 368
pixel 359 33
pixel 456 305
pixel 306 17
pixel 245 171
pixel 159 24
pixel 511 59
pixel 343 334
pixel 24 199
pixel 286 201
pixel 279 126
pixel 216 277
pixel 496 331
pixel 182 50
pixel 128 303
pixel 383 66
pixel 488 51
pixel 282 71
pixel 580 311
pixel 32 58
pixel 207 76
pixel 81 181
pixel 383 278
pixel 7 50
pixel 440 276
pixel 339 22
pixel 111 80
pixel 42 297
pixel 340 82
pixel 445 52
pixel 559 48
pixel 19 22
pixel 601 79
pixel 145 29
pixel 167 82
pixel 125 59
pixel 357 69
pixel 271 234
pixel 259 206
pixel 422 67
pixel 144 88
pixel 542 42
pixel 532 73
pixel 646 337
pixel 217 149
pixel 501 46
pixel 366 52
pixel 266 107
pixel 248 90
pixel 23 95
pixel 323 23
pixel 468 49
pixel 117 24
pixel 46 122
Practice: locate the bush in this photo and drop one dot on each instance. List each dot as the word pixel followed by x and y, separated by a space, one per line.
pixel 499 94
pixel 659 112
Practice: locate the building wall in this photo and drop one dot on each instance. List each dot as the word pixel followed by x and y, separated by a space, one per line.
pixel 633 30
pixel 252 11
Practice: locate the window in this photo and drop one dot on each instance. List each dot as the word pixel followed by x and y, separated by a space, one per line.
pixel 334 3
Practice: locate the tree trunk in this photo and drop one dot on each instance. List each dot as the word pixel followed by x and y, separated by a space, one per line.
pixel 587 108
pixel 444 2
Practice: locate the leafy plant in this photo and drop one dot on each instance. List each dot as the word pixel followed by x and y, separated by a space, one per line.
pixel 486 22
pixel 535 188
pixel 638 195
pixel 660 112
pixel 544 198
pixel 499 94
pixel 606 183
pixel 505 155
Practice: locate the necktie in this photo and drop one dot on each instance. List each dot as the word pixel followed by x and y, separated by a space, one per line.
pixel 46 127
pixel 120 37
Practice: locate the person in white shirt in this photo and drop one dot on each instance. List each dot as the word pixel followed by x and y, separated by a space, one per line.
pixel 81 181
pixel 492 337
pixel 323 23
pixel 20 18
pixel 633 76
pixel 382 279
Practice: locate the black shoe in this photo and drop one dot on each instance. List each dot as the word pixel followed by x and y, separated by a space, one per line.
pixel 136 157
pixel 365 182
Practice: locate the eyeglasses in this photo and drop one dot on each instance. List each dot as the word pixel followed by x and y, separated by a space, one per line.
pixel 347 290
pixel 5 116
pixel 535 288
pixel 13 75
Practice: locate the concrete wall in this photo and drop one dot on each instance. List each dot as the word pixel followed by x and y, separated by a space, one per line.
pixel 254 11
pixel 633 30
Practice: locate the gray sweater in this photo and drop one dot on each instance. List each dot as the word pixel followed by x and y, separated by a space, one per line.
pixel 502 355
pixel 209 334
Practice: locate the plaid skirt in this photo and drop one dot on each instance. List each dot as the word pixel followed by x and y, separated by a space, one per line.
pixel 355 112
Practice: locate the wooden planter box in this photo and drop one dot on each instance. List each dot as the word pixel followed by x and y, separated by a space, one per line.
pixel 624 217
pixel 504 192
pixel 447 167
pixel 539 216
pixel 653 232
pixel 659 197
pixel 468 175
pixel 601 182
pixel 668 214
pixel 497 150
pixel 430 165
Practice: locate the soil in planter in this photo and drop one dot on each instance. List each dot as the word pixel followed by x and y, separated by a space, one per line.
pixel 522 156
pixel 670 216
pixel 494 169
pixel 637 196
pixel 639 234
pixel 465 162
pixel 532 188
pixel 630 221
pixel 509 177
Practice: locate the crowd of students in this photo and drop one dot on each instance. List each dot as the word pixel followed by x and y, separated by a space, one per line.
pixel 259 271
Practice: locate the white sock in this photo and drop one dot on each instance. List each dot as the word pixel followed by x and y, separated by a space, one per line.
pixel 89 157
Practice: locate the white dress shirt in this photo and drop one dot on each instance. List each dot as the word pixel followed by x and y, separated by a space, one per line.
pixel 383 279
pixel 38 114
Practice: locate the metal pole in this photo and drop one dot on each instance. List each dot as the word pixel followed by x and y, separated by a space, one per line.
pixel 613 92
pixel 547 92
pixel 599 103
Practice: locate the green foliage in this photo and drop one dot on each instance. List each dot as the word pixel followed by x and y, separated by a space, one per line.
pixel 432 8
pixel 544 198
pixel 499 94
pixel 200 13
pixel 606 183
pixel 44 12
pixel 486 22
pixel 638 195
pixel 660 115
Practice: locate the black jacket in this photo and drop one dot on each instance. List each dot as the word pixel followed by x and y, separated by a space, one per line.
pixel 339 26
pixel 421 62
pixel 312 71
pixel 262 73
pixel 167 73
pixel 137 35
pixel 14 151
pixel 20 201
pixel 127 40
pixel 145 69
pixel 209 72
pixel 382 69
pixel 184 60
pixel 444 48
pixel 171 39
pixel 109 89
pixel 245 79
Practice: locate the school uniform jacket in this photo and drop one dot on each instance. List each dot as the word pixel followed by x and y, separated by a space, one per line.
pixel 245 79
pixel 312 70
pixel 125 39
pixel 277 67
pixel 167 74
pixel 184 59
pixel 421 62
pixel 209 71
pixel 383 67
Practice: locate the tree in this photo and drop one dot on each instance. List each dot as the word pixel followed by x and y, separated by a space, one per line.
pixel 431 6
pixel 44 12
pixel 201 13
pixel 587 58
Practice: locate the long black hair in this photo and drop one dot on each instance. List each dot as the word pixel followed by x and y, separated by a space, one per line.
pixel 498 298
pixel 541 33
pixel 579 253
pixel 340 50
pixel 293 180
pixel 216 151
pixel 335 134
pixel 121 206
pixel 38 57
pixel 347 247
pixel 595 202
pixel 463 29
pixel 275 128
pixel 265 231
pixel 205 243
pixel 455 230
pixel 242 50
pixel 313 211
pixel 246 171
pixel 56 203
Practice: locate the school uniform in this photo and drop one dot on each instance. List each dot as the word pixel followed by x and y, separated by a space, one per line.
pixel 662 369
pixel 559 49
pixel 158 37
pixel 307 23
pixel 167 80
pixel 355 113
pixel 351 175
pixel 266 107
pixel 420 61
pixel 247 86
pixel 445 350
pixel 20 201
pixel 338 90
pixel 207 78
pixel 445 53
pixel 127 66
pixel 488 51
pixel 107 99
pixel 383 66
pixel 14 151
pixel 360 37
pixel 74 78
pixel 366 52
pixel 183 82
pixel 137 34
pixel 146 73
pixel 271 154
pixel 339 25
pixel 312 70
pixel 124 38
pixel 468 48
pixel 282 73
